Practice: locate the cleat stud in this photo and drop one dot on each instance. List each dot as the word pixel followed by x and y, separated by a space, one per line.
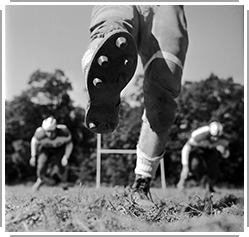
pixel 98 83
pixel 128 62
pixel 103 61
pixel 92 125
pixel 121 42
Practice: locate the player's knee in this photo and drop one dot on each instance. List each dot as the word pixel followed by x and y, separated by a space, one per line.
pixel 160 108
pixel 175 92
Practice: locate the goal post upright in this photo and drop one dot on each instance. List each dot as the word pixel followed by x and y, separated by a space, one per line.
pixel 98 167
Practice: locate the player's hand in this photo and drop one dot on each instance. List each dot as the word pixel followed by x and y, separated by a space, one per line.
pixel 64 161
pixel 185 172
pixel 226 154
pixel 221 149
pixel 32 161
pixel 180 186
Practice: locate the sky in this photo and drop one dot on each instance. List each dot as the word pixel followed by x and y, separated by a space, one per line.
pixel 49 37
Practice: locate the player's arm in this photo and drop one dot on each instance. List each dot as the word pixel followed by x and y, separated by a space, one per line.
pixel 68 149
pixel 185 160
pixel 185 165
pixel 35 144
pixel 200 137
pixel 221 142
pixel 34 149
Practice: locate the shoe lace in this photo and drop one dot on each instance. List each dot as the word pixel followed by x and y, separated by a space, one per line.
pixel 104 29
pixel 142 186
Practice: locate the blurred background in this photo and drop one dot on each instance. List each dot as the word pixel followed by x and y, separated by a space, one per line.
pixel 43 50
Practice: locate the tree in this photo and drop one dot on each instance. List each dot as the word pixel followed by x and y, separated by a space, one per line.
pixel 47 94
pixel 205 101
pixel 199 103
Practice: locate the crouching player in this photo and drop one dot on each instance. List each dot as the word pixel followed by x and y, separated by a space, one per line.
pixel 51 142
pixel 209 140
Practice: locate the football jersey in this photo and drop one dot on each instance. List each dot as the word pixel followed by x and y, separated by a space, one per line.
pixel 63 136
pixel 200 134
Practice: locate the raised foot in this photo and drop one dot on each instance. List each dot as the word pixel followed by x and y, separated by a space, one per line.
pixel 112 66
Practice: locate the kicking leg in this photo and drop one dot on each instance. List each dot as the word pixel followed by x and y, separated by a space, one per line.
pixel 108 64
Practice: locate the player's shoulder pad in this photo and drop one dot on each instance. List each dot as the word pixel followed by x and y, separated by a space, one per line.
pixel 63 130
pixel 200 130
pixel 39 133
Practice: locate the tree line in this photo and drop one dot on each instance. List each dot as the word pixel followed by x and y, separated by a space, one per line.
pixel 49 94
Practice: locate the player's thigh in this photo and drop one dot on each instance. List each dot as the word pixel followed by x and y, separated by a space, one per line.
pixel 163 47
pixel 125 15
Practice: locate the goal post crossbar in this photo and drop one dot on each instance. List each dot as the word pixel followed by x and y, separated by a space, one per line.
pixel 119 151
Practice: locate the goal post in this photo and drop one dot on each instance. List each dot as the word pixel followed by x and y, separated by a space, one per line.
pixel 119 151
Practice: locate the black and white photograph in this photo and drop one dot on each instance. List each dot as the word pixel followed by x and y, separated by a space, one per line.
pixel 124 118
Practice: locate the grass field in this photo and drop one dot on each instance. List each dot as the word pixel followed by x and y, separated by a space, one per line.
pixel 82 209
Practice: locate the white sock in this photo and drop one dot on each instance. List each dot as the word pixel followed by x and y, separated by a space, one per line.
pixel 147 166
